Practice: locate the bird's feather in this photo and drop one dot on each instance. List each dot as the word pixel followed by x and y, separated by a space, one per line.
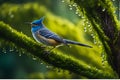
pixel 50 35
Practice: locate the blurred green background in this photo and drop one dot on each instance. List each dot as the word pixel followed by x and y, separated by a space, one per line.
pixel 58 18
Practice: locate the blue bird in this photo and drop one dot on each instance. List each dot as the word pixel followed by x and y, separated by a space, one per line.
pixel 49 38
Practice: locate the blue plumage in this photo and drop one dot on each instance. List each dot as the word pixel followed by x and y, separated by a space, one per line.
pixel 50 35
pixel 47 37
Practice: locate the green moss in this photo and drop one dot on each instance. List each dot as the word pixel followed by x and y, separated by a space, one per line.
pixel 22 13
pixel 102 17
pixel 68 63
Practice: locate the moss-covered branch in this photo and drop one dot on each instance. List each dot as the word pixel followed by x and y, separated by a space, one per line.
pixel 101 15
pixel 58 60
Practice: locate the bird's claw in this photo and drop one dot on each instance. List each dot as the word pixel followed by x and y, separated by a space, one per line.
pixel 46 53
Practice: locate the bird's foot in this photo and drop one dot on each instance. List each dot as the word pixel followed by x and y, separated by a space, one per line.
pixel 46 53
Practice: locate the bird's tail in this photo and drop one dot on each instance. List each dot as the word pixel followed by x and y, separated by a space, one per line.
pixel 76 43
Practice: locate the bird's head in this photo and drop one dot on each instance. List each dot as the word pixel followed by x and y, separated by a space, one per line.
pixel 37 24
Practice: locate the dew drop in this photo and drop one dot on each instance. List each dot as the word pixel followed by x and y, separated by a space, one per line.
pixel 99 45
pixel 95 42
pixel 47 66
pixel 11 16
pixel 89 66
pixel 103 64
pixel 103 58
pixel 82 17
pixel 102 55
pixel 76 12
pixel 103 9
pixel 85 29
pixel 34 58
pixel 88 25
pixel 114 12
pixel 19 54
pixel 63 1
pixel 4 50
pixel 96 69
pixel 75 4
pixel 90 29
pixel 92 35
pixel 11 48
pixel 79 15
pixel 70 8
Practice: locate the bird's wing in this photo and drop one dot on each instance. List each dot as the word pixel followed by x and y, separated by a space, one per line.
pixel 48 34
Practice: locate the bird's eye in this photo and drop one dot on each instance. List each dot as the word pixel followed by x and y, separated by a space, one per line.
pixel 33 24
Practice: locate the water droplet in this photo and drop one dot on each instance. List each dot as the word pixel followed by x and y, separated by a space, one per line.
pixel 99 45
pixel 95 42
pixel 82 17
pixel 34 58
pixel 79 15
pixel 114 12
pixel 23 51
pixel 70 8
pixel 90 29
pixel 19 54
pixel 88 25
pixel 85 29
pixel 11 50
pixel 47 66
pixel 11 16
pixel 103 58
pixel 89 66
pixel 75 4
pixel 4 50
pixel 96 69
pixel 103 9
pixel 102 55
pixel 76 12
pixel 103 64
pixel 70 5
pixel 41 63
pixel 92 34
pixel 63 1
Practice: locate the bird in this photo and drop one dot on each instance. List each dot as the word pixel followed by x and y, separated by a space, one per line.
pixel 45 36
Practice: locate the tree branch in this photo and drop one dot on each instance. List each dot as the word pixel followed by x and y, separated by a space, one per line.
pixel 57 60
pixel 101 15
